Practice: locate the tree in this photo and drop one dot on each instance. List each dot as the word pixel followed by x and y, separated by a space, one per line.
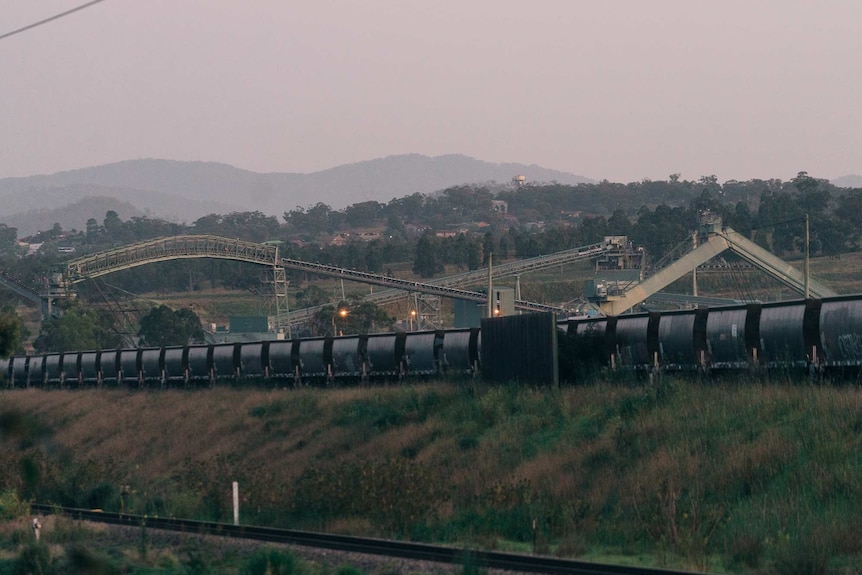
pixel 8 240
pixel 619 224
pixel 311 296
pixel 163 326
pixel 10 333
pixel 77 329
pixel 428 259
pixel 93 230
pixel 363 317
pixel 113 226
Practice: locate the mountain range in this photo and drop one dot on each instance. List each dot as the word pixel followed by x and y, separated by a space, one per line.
pixel 185 191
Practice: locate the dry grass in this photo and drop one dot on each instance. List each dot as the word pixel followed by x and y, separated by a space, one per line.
pixel 685 467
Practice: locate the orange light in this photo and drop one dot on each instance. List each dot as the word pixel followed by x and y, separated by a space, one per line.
pixel 413 312
pixel 342 313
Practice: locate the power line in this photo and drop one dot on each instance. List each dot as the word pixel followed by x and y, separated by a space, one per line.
pixel 46 20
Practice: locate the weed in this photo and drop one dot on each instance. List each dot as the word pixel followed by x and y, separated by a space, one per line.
pixel 271 562
pixel 11 507
pixel 34 559
pixel 81 560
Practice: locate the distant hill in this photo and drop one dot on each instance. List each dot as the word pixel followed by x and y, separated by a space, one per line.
pixel 34 209
pixel 72 216
pixel 851 181
pixel 185 191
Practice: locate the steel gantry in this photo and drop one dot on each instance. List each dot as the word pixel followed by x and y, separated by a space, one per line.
pixel 207 246
pixel 712 241
pixel 170 248
pixel 182 247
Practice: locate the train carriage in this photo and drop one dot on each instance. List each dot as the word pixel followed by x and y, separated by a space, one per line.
pixel 633 344
pixel 840 332
pixel 198 364
pixel 682 340
pixel 384 354
pixel 88 367
pixel 7 372
pixel 282 360
pixel 596 335
pixel 459 353
pixel 130 366
pixel 731 337
pixel 348 358
pixel 52 369
pixel 174 365
pixel 314 359
pixel 18 371
pixel 253 359
pixel 152 366
pixel 109 367
pixel 421 350
pixel 782 337
pixel 225 361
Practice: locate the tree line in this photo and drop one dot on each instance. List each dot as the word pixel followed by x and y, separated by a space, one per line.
pixel 462 226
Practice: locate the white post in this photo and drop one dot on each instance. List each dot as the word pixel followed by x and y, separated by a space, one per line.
pixel 235 503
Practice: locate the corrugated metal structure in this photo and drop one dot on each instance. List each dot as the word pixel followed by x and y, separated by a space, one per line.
pixel 152 365
pixel 109 366
pixel 385 352
pixel 520 348
pixel 839 332
pixel 420 352
pixel 88 364
pixel 348 354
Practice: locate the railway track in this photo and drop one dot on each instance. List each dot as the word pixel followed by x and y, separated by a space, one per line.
pixel 404 550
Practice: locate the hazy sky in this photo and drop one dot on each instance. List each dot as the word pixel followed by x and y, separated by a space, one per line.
pixel 622 90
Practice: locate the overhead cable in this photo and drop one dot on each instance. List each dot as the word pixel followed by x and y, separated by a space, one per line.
pixel 46 20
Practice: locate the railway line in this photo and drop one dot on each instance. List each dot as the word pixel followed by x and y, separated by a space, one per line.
pixel 514 562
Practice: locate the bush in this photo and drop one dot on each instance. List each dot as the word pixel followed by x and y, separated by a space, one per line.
pixel 11 507
pixel 82 560
pixel 34 559
pixel 271 562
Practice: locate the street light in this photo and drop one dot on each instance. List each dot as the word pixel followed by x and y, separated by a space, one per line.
pixel 343 314
pixel 412 318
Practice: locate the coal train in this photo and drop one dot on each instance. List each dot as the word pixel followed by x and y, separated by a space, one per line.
pixel 813 335
pixel 343 359
pixel 817 335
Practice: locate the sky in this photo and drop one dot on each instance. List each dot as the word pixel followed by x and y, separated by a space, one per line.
pixel 620 90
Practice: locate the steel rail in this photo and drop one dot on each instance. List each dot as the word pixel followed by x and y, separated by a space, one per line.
pixel 406 550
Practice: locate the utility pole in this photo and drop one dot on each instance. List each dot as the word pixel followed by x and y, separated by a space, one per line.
pixel 694 269
pixel 490 288
pixel 807 247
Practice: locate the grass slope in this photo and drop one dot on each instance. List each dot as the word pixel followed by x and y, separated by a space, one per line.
pixel 755 477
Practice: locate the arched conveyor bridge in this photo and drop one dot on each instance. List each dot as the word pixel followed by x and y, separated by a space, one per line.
pixel 208 246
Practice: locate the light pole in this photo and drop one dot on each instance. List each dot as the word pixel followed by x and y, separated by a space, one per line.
pixel 342 313
pixel 412 318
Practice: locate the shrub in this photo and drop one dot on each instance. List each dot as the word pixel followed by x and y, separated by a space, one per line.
pixel 11 507
pixel 34 559
pixel 745 551
pixel 82 560
pixel 271 562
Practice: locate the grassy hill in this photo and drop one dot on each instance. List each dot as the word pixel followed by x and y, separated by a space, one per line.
pixel 738 476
